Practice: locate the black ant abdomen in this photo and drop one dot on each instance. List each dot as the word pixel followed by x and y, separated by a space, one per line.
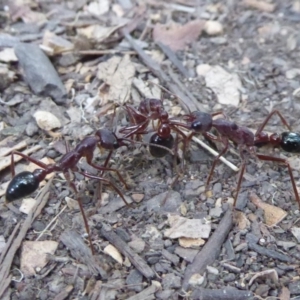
pixel 22 185
pixel 157 140
pixel 290 142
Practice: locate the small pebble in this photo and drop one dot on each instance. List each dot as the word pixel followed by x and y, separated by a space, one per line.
pixel 212 270
pixel 138 245
pixel 171 281
pixel 215 212
pixel 38 226
pixel 229 278
pixel 164 295
pixel 168 243
pixel 241 247
pixel 134 280
pixel 153 260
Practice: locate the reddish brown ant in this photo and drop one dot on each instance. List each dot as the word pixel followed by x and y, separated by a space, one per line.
pixel 200 122
pixel 25 183
pixel 150 110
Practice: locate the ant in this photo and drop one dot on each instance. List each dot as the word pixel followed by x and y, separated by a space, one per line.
pixel 201 122
pixel 25 183
pixel 151 109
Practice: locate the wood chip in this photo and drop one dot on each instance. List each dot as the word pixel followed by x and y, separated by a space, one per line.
pixel 273 214
pixel 34 255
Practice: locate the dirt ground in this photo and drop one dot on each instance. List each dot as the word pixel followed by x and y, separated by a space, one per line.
pixel 176 239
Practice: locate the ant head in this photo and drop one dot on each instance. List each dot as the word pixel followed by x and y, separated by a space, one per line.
pixel 164 116
pixel 108 139
pixel 200 121
pixel 164 131
pixel 23 184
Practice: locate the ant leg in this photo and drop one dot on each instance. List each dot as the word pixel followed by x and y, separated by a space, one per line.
pixel 264 123
pixel 286 163
pixel 87 228
pixel 33 160
pixel 219 113
pixel 241 174
pixel 225 143
pixel 107 181
pixel 104 168
pixel 108 169
pixel 134 129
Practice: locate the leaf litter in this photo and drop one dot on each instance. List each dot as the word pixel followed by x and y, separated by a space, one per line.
pixel 208 41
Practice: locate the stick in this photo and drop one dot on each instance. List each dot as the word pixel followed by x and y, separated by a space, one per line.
pixel 135 259
pixel 215 153
pixel 210 251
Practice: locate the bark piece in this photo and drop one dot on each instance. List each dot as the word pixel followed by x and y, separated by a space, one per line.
pixel 210 251
pixel 40 73
pixel 135 259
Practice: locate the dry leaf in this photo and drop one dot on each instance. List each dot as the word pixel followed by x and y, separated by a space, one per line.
pixel 273 214
pixel 27 205
pixel 46 120
pixel 296 233
pixel 117 73
pixel 34 255
pixel 71 203
pixel 241 220
pixel 191 243
pixel 177 36
pixel 227 86
pixel 260 5
pixel 56 43
pixel 97 32
pixel 285 294
pixel 188 228
pixel 23 11
pixel 114 253
pixel 99 7
pixel 147 90
pixel 8 55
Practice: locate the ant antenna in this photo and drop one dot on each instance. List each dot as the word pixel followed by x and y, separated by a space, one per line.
pixel 172 94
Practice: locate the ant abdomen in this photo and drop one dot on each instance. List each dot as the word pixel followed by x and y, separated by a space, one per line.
pixel 22 185
pixel 157 140
pixel 290 142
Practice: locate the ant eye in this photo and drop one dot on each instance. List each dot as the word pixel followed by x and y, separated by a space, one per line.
pixel 234 126
pixel 197 126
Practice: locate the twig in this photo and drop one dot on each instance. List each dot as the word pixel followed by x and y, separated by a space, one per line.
pixel 65 293
pixel 51 222
pixel 215 153
pixel 158 72
pixel 147 293
pixel 227 293
pixel 135 259
pixel 173 58
pixel 210 251
pixel 81 252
